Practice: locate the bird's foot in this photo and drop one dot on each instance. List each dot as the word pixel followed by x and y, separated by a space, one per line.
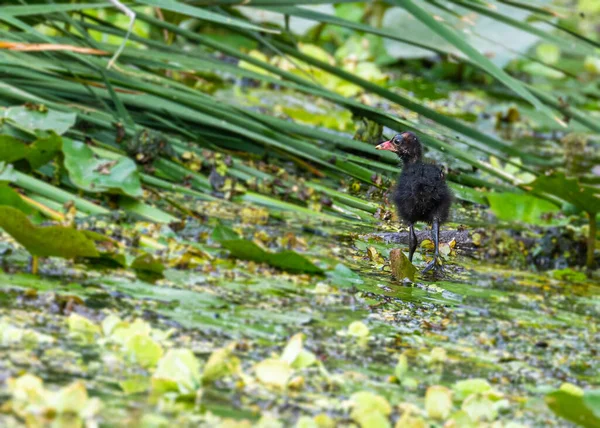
pixel 434 264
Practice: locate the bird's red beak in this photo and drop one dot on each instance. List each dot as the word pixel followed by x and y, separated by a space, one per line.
pixel 387 145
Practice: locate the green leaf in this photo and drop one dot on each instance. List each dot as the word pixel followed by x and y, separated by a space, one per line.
pixel 135 384
pixel 573 408
pixel 224 233
pixel 401 368
pixel 438 402
pixel 43 150
pixel 38 153
pixel 273 372
pixel 343 277
pixel 46 241
pixel 178 370
pixel 370 410
pixel 401 267
pixel 12 149
pixel 93 174
pixel 221 363
pixel 9 196
pixel 585 198
pixel 83 328
pixel 464 388
pixel 286 260
pixel 525 208
pixel 144 350
pixel 358 329
pixel 480 408
pixel 148 267
pixel 592 401
pixel 36 120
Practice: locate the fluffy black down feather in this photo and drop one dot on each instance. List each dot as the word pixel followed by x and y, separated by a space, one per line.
pixel 422 194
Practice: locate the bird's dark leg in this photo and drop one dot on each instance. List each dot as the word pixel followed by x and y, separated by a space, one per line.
pixel 412 241
pixel 435 233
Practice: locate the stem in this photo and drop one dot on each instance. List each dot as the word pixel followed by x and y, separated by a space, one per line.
pixel 591 244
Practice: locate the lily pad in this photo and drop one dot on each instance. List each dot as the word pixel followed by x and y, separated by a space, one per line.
pixel 401 267
pixel 178 370
pixel 438 402
pixel 94 174
pixel 521 207
pixel 40 119
pixel 273 372
pixel 573 407
pixel 46 241
pixel 586 198
pixel 221 363
pixel 148 267
pixel 38 153
pixel 287 260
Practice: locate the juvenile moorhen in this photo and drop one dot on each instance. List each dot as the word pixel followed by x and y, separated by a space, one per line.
pixel 421 193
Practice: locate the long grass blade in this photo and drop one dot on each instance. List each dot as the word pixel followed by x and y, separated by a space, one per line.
pixel 459 42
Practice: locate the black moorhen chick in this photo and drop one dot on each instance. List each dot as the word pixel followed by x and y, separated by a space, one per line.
pixel 421 193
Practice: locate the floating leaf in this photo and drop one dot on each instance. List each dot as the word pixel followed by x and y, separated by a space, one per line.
pixel 110 323
pixel 83 328
pixel 427 244
pixel 438 355
pixel 295 355
pixel 135 384
pixel 586 198
pixel 40 119
pixel 286 260
pixel 12 335
pixel 358 329
pixel 224 233
pixel 144 350
pixel 401 267
pixel 480 407
pixel 27 388
pixel 38 153
pixel 575 407
pixel 370 410
pixel 592 401
pixel 401 367
pixel 464 388
pixel 344 277
pixel 292 349
pixel 31 401
pixel 178 370
pixel 273 372
pixel 46 241
pixel 221 363
pixel 438 402
pixel 148 267
pixel 445 249
pixel 93 174
pixel 122 332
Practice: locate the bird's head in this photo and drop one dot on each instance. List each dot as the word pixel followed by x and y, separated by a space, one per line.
pixel 406 145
